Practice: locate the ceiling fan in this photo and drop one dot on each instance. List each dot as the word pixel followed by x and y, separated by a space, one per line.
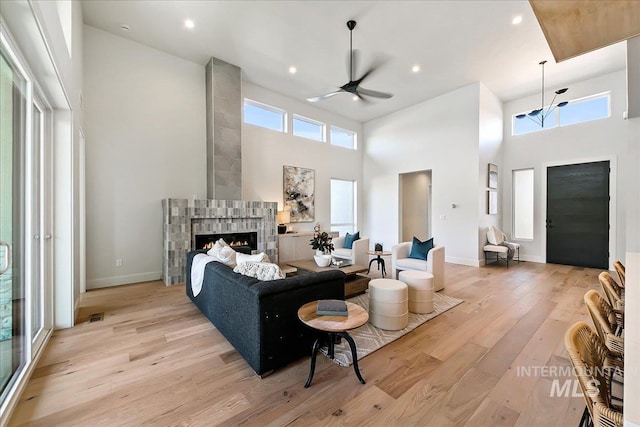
pixel 353 86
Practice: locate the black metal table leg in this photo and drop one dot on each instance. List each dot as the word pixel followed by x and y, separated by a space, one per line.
pixel 354 354
pixel 370 262
pixel 331 345
pixel 384 272
pixel 314 353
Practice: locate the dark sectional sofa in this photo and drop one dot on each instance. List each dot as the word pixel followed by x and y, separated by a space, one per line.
pixel 260 318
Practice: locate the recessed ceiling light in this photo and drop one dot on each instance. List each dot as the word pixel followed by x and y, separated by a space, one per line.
pixel 293 70
pixel 125 27
pixel 355 97
pixel 188 23
pixel 516 19
pixel 415 68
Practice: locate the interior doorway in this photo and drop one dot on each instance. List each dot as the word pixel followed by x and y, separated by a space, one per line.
pixel 415 205
pixel 577 223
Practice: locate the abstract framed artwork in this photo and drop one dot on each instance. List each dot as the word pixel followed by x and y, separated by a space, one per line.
pixel 492 202
pixel 299 193
pixel 493 176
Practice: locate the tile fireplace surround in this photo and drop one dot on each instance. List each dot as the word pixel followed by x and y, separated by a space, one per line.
pixel 184 218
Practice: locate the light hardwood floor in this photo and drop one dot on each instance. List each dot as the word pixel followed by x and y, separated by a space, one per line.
pixel 155 360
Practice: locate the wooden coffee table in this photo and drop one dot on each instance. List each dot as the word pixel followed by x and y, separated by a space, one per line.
pixel 354 284
pixel 333 325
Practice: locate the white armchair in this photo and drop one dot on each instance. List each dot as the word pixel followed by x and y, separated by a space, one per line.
pixel 356 254
pixel 434 264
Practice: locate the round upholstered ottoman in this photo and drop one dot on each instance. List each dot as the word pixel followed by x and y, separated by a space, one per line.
pixel 420 285
pixel 388 307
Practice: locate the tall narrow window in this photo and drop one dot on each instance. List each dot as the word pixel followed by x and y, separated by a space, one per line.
pixel 343 206
pixel 265 116
pixel 308 128
pixel 523 204
pixel 343 138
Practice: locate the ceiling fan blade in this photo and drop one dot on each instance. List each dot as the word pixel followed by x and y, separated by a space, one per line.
pixel 325 96
pixel 374 93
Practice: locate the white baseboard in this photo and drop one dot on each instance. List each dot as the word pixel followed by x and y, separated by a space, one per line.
pixel 123 280
pixel 462 261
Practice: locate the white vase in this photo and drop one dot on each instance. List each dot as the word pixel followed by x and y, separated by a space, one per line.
pixel 322 260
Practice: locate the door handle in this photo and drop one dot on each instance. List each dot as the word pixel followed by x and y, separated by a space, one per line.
pixel 550 226
pixel 7 257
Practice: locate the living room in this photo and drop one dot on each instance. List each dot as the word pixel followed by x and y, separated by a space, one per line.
pixel 142 113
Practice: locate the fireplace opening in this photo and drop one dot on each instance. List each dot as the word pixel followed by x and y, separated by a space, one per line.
pixel 244 242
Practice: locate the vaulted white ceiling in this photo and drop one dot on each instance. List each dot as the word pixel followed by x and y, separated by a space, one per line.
pixel 454 42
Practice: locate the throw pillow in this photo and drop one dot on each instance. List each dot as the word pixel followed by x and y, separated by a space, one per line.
pixel 227 256
pixel 419 250
pixel 217 246
pixel 494 236
pixel 261 257
pixel 260 270
pixel 349 239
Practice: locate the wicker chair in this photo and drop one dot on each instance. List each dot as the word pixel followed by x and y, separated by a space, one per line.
pixel 606 323
pixel 617 265
pixel 614 293
pixel 592 366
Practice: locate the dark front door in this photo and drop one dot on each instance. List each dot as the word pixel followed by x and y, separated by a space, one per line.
pixel 578 215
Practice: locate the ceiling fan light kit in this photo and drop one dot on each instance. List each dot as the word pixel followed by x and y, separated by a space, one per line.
pixel 353 86
pixel 539 115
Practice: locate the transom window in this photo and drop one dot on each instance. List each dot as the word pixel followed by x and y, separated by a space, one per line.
pixel 576 111
pixel 343 138
pixel 265 116
pixel 308 128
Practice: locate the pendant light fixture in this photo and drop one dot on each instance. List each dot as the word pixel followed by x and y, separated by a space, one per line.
pixel 538 116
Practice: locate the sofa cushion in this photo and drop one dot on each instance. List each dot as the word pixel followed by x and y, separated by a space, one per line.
pixel 419 250
pixel 412 264
pixel 350 238
pixel 261 257
pixel 343 253
pixel 260 270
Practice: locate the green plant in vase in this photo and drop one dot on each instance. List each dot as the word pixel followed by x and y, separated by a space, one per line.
pixel 323 246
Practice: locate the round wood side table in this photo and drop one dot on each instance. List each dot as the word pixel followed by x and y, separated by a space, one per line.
pixel 379 259
pixel 333 326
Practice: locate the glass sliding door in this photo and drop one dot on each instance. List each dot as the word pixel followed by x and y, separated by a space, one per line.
pixel 13 136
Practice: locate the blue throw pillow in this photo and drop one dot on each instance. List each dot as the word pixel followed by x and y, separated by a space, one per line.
pixel 419 250
pixel 349 239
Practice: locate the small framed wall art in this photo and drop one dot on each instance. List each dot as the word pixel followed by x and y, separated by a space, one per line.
pixel 492 202
pixel 493 176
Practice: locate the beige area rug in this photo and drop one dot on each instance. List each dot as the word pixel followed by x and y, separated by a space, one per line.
pixel 369 338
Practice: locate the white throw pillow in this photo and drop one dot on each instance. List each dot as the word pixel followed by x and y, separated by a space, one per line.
pixel 216 248
pixel 495 236
pixel 227 256
pixel 260 270
pixel 261 257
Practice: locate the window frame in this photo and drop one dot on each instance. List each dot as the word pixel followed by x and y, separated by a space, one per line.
pixel 284 114
pixel 557 114
pixel 308 120
pixel 354 141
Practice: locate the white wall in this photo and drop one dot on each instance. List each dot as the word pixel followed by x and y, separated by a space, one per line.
pixel 145 141
pixel 265 152
pixel 440 134
pixel 605 139
pixel 490 139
